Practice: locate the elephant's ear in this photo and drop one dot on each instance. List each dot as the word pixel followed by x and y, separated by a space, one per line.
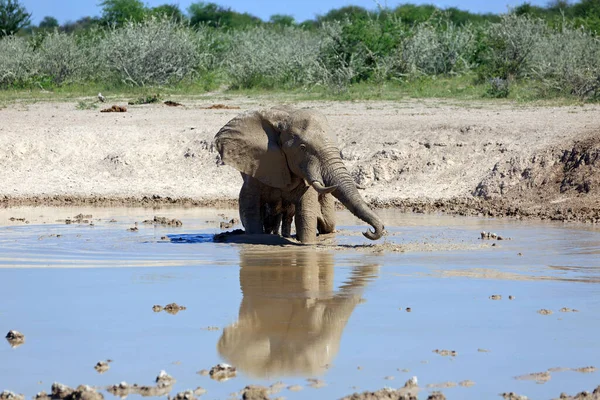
pixel 250 143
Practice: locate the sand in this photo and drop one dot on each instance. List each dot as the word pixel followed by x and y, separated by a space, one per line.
pixel 482 158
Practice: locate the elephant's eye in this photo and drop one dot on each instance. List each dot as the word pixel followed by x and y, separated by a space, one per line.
pixel 303 147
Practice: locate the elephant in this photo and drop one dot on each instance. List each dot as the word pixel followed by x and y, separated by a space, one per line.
pixel 289 156
pixel 291 317
pixel 276 215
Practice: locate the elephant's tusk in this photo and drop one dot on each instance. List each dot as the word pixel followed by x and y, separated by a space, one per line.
pixel 323 189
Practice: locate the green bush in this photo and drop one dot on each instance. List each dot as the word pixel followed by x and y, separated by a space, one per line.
pixel 508 44
pixel 155 51
pixel 354 47
pixel 568 62
pixel 19 62
pixel 64 60
pixel 439 49
pixel 269 58
pixel 362 49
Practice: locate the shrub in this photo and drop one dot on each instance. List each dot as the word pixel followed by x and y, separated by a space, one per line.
pixel 63 60
pixel 442 48
pixel 568 61
pixel 498 88
pixel 508 45
pixel 261 57
pixel 19 63
pixel 157 51
pixel 364 48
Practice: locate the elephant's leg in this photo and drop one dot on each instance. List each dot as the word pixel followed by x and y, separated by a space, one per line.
pixel 272 216
pixel 326 221
pixel 288 212
pixel 250 208
pixel 307 212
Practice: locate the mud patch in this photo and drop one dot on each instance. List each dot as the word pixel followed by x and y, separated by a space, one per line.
pixel 114 108
pixel 595 395
pixel 164 383
pixel 467 383
pixel 443 385
pixel 102 366
pixel 316 383
pixel 163 221
pixel 172 308
pixel 567 310
pixel 585 370
pixel 8 395
pixel 172 103
pixel 436 396
pixel 255 392
pixel 446 353
pixel 15 338
pixel 78 219
pixel 64 392
pixel 220 107
pixel 512 396
pixel 187 395
pixel 544 311
pixel 405 393
pixel 492 236
pixel 222 372
pixel 538 377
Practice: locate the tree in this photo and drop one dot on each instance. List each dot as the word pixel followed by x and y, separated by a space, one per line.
pixel 411 14
pixel 340 14
pixel 48 23
pixel 120 11
pixel 81 24
pixel 13 17
pixel 168 10
pixel 282 20
pixel 214 15
pixel 587 9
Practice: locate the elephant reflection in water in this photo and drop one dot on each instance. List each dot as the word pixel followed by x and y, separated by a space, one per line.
pixel 291 319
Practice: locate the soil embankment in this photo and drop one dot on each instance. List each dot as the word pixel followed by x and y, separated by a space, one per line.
pixel 469 158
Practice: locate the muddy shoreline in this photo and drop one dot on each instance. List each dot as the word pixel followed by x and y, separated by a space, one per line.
pixel 468 158
pixel 581 212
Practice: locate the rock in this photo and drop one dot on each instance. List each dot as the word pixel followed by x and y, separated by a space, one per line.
pixel 436 396
pixel 8 395
pixel 222 372
pixel 102 367
pixel 163 221
pixel 15 338
pixel 255 392
pixel 383 394
pixel 595 395
pixel 174 308
pixel 446 353
pixel 187 395
pixel 512 396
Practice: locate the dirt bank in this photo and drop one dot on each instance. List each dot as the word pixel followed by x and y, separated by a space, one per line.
pixel 470 158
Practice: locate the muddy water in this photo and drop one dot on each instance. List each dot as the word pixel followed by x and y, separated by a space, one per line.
pixel 83 293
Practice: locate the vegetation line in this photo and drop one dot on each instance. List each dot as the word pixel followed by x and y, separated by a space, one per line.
pixel 530 53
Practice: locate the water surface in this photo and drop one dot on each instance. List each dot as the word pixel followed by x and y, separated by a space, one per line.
pixel 83 293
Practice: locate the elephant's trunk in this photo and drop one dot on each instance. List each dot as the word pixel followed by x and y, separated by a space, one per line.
pixel 334 174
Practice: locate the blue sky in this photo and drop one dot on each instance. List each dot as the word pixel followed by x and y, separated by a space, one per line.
pixel 65 10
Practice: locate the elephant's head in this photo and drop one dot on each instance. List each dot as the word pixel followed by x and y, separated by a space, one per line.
pixel 273 145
